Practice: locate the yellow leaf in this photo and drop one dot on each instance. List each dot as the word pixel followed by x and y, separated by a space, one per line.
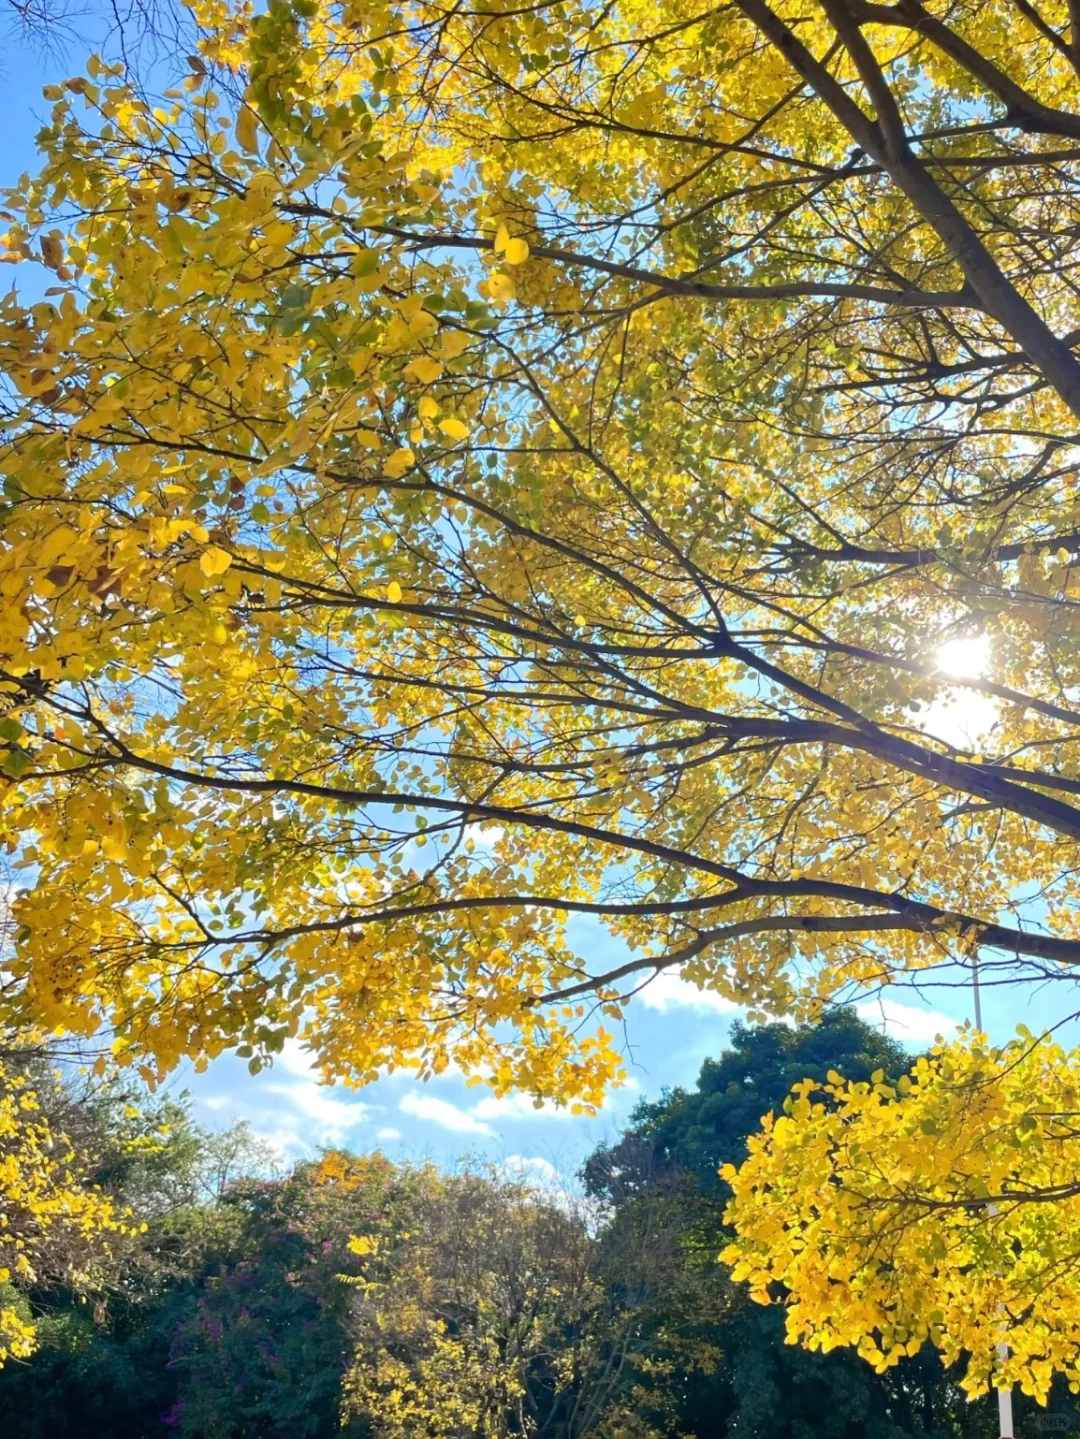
pixel 214 562
pixel 52 251
pixel 247 130
pixel 500 288
pixel 516 252
pixel 393 592
pixel 453 342
pixel 424 369
pixel 455 429
pixel 400 461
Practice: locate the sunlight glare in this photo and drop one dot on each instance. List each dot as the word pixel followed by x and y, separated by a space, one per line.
pixel 967 657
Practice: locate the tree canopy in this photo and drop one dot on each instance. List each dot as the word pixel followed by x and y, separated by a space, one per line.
pixel 695 1132
pixel 478 476
pixel 86 1165
pixel 731 1368
pixel 941 1205
pixel 56 1225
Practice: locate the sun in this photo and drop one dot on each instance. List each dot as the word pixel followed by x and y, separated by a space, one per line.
pixel 960 715
pixel 967 657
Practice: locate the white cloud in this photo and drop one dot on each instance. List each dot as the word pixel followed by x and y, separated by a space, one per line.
pixel 668 991
pixel 443 1113
pixel 283 1143
pixel 517 1106
pixel 548 1181
pixel 333 1116
pixel 296 1059
pixel 319 1117
pixel 907 1022
pixel 530 1168
pixel 388 1133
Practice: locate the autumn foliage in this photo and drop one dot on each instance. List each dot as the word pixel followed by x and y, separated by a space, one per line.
pixel 941 1205
pixel 478 482
pixel 407 569
pixel 56 1225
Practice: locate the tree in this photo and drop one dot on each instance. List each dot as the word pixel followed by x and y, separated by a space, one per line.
pixel 729 1370
pixel 261 1346
pixel 695 1132
pixel 484 474
pixel 476 1311
pixel 900 1243
pixel 321 547
pixel 56 1225
pixel 102 1332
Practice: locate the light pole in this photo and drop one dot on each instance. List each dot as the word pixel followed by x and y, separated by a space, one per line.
pixel 1005 1409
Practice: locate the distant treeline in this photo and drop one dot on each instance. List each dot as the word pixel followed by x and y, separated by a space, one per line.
pixel 359 1296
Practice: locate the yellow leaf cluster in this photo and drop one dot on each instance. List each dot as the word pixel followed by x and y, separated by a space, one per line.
pixel 52 1222
pixel 941 1207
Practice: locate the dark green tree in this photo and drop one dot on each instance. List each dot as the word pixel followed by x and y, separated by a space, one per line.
pixel 659 1181
pixel 691 1132
pixel 261 1352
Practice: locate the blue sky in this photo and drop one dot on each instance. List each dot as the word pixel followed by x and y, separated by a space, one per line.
pixel 671 1029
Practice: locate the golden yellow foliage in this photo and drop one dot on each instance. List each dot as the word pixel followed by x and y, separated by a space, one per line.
pixel 52 1222
pixel 466 509
pixel 467 1290
pixel 943 1207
